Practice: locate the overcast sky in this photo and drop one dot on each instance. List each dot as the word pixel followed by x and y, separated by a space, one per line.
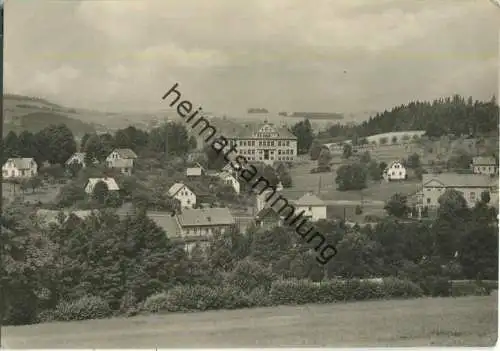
pixel 228 55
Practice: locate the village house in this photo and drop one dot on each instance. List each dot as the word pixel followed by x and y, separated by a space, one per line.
pixel 77 157
pixel 484 165
pixel 395 171
pixel 469 185
pixel 267 143
pixel 122 159
pixel 196 171
pixel 194 226
pixel 110 182
pixel 229 179
pixel 314 208
pixel 19 168
pixel 183 194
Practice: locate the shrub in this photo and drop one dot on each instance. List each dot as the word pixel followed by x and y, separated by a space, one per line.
pixel 128 304
pixel 156 303
pixel 87 307
pixel 470 287
pixel 259 297
pixel 394 287
pixel 436 286
pixel 46 316
pixel 248 275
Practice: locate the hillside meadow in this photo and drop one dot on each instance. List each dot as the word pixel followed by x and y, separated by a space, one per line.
pixel 463 321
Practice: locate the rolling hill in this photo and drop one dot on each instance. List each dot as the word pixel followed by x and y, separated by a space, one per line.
pixel 33 114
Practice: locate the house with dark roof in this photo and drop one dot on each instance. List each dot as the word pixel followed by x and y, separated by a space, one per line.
pixel 314 208
pixel 183 194
pixel 19 168
pixel 484 165
pixel 265 143
pixel 122 159
pixel 469 185
pixel 193 226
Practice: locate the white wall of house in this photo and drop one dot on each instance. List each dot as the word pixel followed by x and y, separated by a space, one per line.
pixel 9 170
pixel 396 171
pixel 314 212
pixel 186 197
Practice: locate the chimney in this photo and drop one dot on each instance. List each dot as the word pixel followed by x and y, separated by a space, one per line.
pixel 209 219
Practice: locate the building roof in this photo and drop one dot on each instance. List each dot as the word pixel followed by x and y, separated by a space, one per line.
pixel 174 189
pixel 205 217
pixel 21 163
pixel 309 200
pixel 122 163
pixel 460 180
pixel 125 153
pixel 250 131
pixel 110 182
pixel 484 160
pixel 80 156
pixel 194 171
pixel 167 222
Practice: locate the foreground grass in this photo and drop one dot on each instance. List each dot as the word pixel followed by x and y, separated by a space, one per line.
pixel 466 321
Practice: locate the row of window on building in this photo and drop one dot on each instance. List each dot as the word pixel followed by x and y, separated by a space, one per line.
pixel 263 143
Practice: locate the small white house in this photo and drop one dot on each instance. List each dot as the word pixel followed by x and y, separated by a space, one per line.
pixel 231 180
pixel 19 168
pixel 122 159
pixel 182 193
pixel 395 171
pixel 196 171
pixel 110 182
pixel 313 207
pixel 77 157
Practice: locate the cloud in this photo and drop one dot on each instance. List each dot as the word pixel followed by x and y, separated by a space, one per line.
pixel 341 55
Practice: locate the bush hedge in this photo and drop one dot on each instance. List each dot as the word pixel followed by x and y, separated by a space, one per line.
pixel 86 307
pixel 282 292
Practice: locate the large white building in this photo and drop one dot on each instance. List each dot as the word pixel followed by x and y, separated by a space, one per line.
pixel 19 168
pixel 266 143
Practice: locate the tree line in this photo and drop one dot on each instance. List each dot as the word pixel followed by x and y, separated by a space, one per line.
pixel 55 144
pixel 121 262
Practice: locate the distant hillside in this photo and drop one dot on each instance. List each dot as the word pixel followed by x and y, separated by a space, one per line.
pixel 33 113
pixel 36 121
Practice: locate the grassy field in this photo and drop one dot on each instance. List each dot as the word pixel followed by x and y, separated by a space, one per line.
pixel 466 321
pixel 45 194
pixel 304 181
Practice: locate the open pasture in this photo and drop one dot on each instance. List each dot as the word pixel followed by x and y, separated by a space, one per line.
pixel 464 321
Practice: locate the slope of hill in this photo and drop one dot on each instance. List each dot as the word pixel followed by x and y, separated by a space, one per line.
pixel 33 113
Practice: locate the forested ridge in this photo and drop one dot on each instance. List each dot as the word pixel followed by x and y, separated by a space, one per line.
pixel 452 115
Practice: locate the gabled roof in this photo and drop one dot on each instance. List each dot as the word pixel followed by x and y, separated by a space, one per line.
pixel 393 163
pixel 125 153
pixel 21 163
pixel 174 189
pixel 250 131
pixel 110 182
pixel 80 156
pixel 194 171
pixel 205 217
pixel 484 160
pixel 165 221
pixel 459 180
pixel 309 200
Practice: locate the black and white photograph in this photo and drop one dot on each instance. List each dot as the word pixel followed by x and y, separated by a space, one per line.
pixel 249 174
